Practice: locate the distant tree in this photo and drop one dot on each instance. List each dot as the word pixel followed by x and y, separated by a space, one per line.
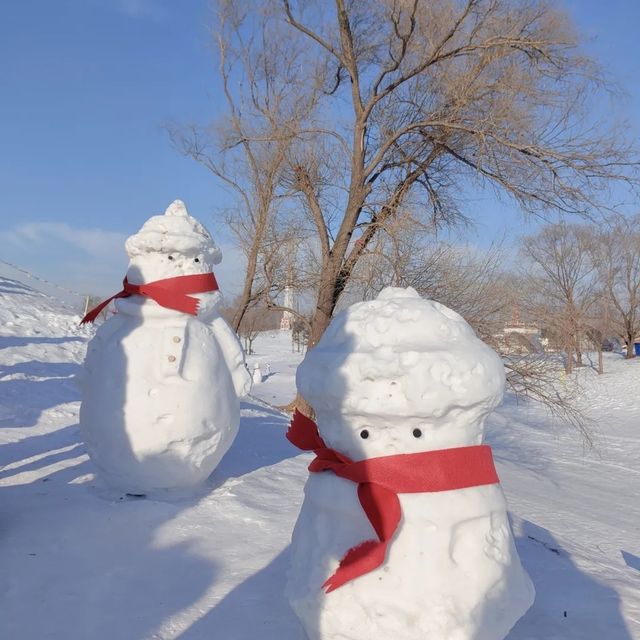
pixel 254 321
pixel 299 335
pixel 616 253
pixel 562 284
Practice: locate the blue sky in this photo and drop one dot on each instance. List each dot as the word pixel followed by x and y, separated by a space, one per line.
pixel 85 86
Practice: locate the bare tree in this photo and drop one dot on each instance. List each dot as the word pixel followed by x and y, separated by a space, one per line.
pixel 246 150
pixel 469 280
pixel 256 320
pixel 562 284
pixel 616 252
pixel 427 96
pixel 299 337
pixel 249 329
pixel 536 376
pixel 473 283
pixel 408 104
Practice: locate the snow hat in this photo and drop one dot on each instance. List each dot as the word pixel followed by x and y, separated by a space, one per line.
pixel 175 231
pixel 402 356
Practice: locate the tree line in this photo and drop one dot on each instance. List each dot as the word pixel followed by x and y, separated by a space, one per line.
pixel 586 285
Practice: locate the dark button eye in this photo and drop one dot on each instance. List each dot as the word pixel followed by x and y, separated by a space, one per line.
pixel 196 259
pixel 170 257
pixel 364 434
pixel 417 433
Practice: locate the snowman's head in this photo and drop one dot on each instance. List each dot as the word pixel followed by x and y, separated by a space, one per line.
pixel 170 245
pixel 400 374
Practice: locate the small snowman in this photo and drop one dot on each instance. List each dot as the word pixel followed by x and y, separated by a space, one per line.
pixel 257 374
pixel 162 376
pixel 403 532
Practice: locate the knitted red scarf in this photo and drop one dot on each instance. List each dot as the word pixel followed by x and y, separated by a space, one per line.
pixel 380 480
pixel 170 293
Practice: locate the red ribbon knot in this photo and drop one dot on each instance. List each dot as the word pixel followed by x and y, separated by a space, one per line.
pixel 380 480
pixel 170 293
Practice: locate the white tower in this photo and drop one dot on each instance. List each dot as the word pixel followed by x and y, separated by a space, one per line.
pixel 286 323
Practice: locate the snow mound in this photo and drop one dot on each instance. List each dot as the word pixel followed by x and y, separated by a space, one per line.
pixel 41 344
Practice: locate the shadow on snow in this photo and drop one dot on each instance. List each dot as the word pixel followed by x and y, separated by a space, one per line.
pixel 38 387
pixel 260 443
pixel 570 604
pixel 23 341
pixel 256 608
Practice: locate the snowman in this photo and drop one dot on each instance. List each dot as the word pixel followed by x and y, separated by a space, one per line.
pixel 162 376
pixel 403 532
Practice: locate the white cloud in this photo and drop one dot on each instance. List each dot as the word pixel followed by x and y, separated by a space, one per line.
pixel 92 260
pixel 84 260
pixel 93 242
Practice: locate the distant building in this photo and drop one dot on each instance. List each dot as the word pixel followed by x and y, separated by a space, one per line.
pixel 518 337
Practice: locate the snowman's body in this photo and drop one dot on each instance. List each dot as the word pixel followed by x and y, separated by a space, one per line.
pixel 452 571
pixel 391 376
pixel 160 400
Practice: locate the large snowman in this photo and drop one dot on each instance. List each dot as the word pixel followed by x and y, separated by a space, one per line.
pixel 403 532
pixel 162 376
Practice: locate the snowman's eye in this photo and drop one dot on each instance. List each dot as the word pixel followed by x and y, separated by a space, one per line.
pixel 417 433
pixel 170 257
pixel 364 434
pixel 196 259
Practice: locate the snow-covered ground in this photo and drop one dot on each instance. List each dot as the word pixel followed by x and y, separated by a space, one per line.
pixel 78 562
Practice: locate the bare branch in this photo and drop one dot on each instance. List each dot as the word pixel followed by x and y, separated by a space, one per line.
pixel 312 34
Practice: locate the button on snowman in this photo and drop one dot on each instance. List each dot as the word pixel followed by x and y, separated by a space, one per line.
pixel 161 379
pixel 401 388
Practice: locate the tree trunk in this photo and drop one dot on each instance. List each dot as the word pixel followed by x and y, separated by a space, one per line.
pixel 600 362
pixel 328 293
pixel 629 341
pixel 321 319
pixel 568 364
pixel 245 297
pixel 319 323
pixel 578 349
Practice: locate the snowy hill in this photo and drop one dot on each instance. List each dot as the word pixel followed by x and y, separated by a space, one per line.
pixel 41 345
pixel 78 561
pixel 26 311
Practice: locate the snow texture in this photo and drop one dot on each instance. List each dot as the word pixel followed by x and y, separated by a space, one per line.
pixel 79 561
pixel 160 387
pixel 409 375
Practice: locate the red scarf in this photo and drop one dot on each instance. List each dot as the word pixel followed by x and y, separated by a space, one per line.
pixel 380 480
pixel 170 293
